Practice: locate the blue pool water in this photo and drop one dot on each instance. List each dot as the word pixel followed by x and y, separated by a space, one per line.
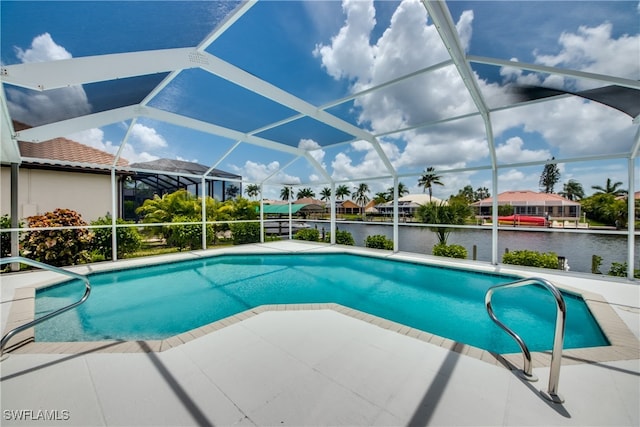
pixel 159 301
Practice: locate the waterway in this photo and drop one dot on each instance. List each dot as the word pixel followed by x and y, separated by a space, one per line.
pixel 577 247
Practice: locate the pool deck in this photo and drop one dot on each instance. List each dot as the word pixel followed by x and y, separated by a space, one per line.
pixel 318 365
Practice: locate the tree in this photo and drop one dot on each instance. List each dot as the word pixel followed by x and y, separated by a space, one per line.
pixel 549 177
pixel 402 190
pixel 610 188
pixel 231 191
pixel 481 194
pixel 360 196
pixel 455 213
pixel 305 192
pixel 252 190
pixel 572 190
pixel 342 191
pixel 325 194
pixel 468 193
pixel 286 193
pixel 605 208
pixel 428 179
pixel 381 197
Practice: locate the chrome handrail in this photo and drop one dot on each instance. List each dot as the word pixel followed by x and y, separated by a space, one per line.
pixel 558 337
pixel 33 263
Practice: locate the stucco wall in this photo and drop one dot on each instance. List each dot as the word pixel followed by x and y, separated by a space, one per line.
pixel 41 191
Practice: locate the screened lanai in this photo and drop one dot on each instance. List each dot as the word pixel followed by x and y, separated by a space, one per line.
pixel 322 94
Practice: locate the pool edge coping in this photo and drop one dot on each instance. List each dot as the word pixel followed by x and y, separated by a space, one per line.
pixel 624 345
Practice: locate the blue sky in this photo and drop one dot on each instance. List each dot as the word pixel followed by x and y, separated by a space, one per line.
pixel 321 51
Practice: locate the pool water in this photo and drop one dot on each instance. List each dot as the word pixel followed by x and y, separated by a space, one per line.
pixel 156 302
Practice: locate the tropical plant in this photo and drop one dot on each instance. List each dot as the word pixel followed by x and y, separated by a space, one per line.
pixel 57 247
pixel 549 177
pixel 381 197
pixel 572 190
pixel 342 191
pixel 605 208
pixel 378 241
pixel 531 258
pixel 428 179
pixel 305 192
pixel 252 190
pixel 451 251
pixel 453 213
pixel 402 190
pixel 325 194
pixel 360 196
pixel 309 234
pixel 619 269
pixel 610 188
pixel 286 193
pixel 481 194
pixel 468 193
pixel 163 209
pixel 186 235
pixel 128 238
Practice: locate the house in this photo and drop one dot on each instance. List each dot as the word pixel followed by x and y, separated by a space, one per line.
pixel 407 205
pixel 549 205
pixel 60 173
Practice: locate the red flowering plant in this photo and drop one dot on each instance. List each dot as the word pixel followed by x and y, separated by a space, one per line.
pixel 57 247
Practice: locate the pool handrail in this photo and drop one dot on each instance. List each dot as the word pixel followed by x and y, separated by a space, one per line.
pixel 558 338
pixel 41 265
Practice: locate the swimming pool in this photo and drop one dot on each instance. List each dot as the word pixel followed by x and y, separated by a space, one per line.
pixel 156 302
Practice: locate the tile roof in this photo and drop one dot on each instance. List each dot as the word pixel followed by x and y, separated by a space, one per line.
pixel 66 150
pixel 526 197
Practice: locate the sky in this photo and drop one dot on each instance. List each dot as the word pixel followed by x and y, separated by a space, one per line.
pixel 322 51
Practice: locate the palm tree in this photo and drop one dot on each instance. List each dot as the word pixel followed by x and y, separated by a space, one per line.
pixel 286 193
pixel 342 191
pixel 572 190
pixel 231 191
pixel 305 192
pixel 610 188
pixel 428 179
pixel 402 190
pixel 252 190
pixel 325 194
pixel 360 196
pixel 381 197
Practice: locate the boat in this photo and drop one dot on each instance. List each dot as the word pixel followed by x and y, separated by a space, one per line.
pixel 522 220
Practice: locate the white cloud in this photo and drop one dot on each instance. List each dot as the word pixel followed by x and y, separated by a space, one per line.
pixel 148 137
pixel 37 108
pixel 95 138
pixel 512 151
pixel 314 149
pixel 257 172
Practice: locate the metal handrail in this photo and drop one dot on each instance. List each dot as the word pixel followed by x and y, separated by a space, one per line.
pixel 22 260
pixel 558 338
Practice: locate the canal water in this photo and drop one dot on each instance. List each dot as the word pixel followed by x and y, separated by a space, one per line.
pixel 577 247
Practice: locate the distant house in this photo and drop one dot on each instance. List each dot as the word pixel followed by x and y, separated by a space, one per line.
pixel 347 207
pixel 60 173
pixel 551 206
pixel 407 205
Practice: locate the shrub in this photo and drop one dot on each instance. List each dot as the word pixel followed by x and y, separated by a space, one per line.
pixel 245 232
pixel 5 238
pixel 531 259
pixel 451 251
pixel 378 241
pixel 310 234
pixel 57 247
pixel 619 269
pixel 342 238
pixel 185 235
pixel 128 238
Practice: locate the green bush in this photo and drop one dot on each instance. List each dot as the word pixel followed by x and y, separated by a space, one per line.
pixel 5 238
pixel 129 240
pixel 378 241
pixel 531 259
pixel 619 269
pixel 451 251
pixel 310 234
pixel 185 236
pixel 342 238
pixel 245 232
pixel 57 247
